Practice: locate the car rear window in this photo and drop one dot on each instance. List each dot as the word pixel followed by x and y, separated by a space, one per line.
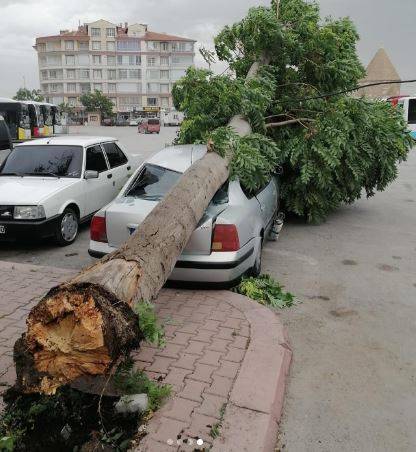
pixel 62 161
pixel 153 122
pixel 153 183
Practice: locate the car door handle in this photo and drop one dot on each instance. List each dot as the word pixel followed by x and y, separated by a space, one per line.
pixel 109 176
pixel 128 168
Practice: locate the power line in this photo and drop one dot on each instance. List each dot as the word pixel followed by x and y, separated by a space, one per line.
pixel 346 91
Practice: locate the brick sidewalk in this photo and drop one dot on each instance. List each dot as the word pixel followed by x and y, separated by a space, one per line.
pixel 223 352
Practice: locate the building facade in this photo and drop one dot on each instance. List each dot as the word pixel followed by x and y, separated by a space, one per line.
pixel 134 67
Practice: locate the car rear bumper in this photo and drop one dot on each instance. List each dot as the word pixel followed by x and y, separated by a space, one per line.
pixel 214 268
pixel 28 230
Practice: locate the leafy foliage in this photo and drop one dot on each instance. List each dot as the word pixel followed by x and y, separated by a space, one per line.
pixel 148 323
pixel 132 381
pixel 27 94
pixel 97 101
pixel 266 291
pixel 346 146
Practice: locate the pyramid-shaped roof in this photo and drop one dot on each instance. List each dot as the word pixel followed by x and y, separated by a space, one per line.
pixel 381 68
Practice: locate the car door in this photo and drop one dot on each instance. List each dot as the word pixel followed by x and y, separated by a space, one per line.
pixel 267 198
pixel 100 191
pixel 119 165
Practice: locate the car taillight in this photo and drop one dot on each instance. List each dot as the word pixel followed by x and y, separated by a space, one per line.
pixel 225 238
pixel 98 231
pixel 36 132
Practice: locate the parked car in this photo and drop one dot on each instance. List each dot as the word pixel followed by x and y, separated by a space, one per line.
pixel 151 125
pixel 49 186
pixel 229 238
pixel 122 122
pixel 108 122
pixel 134 122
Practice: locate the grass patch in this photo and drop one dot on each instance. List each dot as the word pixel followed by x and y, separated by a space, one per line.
pixel 152 331
pixel 266 291
pixel 131 381
pixel 216 428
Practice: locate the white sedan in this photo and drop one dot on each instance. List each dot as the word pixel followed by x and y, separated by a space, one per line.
pixel 228 240
pixel 49 186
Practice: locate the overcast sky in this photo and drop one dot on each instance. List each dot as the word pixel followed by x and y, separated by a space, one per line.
pixel 381 23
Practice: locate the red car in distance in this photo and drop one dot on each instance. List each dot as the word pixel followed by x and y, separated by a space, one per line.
pixel 151 125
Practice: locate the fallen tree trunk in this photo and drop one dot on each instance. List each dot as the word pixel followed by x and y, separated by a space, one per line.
pixel 82 327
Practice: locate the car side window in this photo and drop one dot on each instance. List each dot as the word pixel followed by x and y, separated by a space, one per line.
pixel 95 159
pixel 115 155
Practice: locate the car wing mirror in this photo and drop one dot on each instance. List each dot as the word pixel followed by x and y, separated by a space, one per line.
pixel 90 174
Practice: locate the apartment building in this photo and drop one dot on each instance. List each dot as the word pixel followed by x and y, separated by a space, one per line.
pixel 134 67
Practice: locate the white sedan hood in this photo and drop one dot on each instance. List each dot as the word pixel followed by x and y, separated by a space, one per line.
pixel 30 190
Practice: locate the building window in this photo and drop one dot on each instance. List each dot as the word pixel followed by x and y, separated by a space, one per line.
pixel 135 60
pixel 52 73
pixel 153 74
pixel 130 45
pixel 164 61
pixel 112 87
pixel 112 74
pixel 120 60
pixel 96 45
pixel 164 102
pixel 122 73
pixel 164 75
pixel 111 46
pixel 85 88
pixel 152 101
pixel 96 59
pixel 96 32
pixel 98 87
pixel 71 87
pixel 54 87
pixel 44 75
pixel 70 73
pixel 70 60
pixel 41 47
pixel 97 73
pixel 83 45
pixel 153 45
pixel 151 61
pixel 153 87
pixel 134 73
pixel 164 88
pixel 110 32
pixel 84 73
pixel 164 46
pixel 72 101
pixel 111 60
pixel 113 100
pixel 69 45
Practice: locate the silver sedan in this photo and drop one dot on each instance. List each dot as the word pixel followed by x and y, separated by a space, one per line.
pixel 228 240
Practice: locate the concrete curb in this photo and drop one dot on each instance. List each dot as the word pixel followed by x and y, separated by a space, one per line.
pixel 255 406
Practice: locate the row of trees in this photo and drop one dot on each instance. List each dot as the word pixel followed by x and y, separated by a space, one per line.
pixel 95 101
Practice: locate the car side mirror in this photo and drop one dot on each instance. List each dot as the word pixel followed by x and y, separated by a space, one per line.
pixel 90 174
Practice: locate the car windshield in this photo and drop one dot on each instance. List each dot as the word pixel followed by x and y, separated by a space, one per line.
pixel 47 160
pixel 152 183
pixel 153 122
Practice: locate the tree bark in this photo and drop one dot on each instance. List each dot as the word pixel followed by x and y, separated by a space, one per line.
pixel 82 327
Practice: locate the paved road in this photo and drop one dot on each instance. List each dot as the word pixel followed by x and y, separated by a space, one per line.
pixel 353 378
pixel 76 255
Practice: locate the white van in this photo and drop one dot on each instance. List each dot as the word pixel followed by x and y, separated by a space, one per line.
pixel 172 118
pixel 408 104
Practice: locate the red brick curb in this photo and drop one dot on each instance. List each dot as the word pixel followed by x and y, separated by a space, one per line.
pixel 255 406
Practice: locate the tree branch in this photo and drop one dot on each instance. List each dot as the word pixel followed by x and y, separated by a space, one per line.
pixel 273 125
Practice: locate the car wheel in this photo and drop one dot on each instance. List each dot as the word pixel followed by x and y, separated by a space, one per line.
pixel 256 268
pixel 67 228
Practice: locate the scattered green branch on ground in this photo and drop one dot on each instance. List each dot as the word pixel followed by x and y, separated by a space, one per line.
pixel 266 291
pixel 152 331
pixel 131 381
pixel 216 428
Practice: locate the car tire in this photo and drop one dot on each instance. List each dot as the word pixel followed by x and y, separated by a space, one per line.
pixel 256 268
pixel 67 228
